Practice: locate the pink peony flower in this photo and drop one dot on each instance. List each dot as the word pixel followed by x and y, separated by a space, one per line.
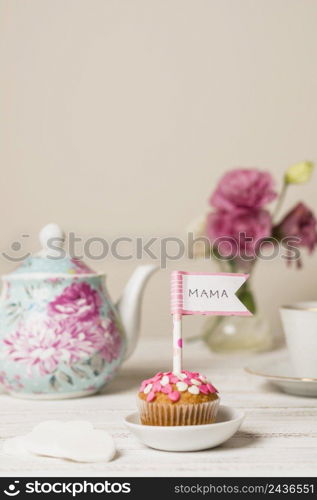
pixel 300 223
pixel 240 232
pixel 44 343
pixel 243 189
pixel 106 339
pixel 78 300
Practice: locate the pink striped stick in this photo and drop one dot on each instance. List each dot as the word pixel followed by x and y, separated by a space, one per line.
pixel 176 306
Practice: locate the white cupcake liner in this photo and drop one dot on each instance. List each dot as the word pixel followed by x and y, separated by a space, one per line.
pixel 181 414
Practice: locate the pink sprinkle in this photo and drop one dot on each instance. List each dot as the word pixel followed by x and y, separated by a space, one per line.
pixel 150 396
pixel 156 377
pixel 180 343
pixel 167 389
pixel 173 379
pixel 143 386
pixel 174 396
pixel 211 388
pixel 156 387
pixel 204 389
pixel 187 381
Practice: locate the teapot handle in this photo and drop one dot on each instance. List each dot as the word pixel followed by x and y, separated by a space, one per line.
pixel 129 305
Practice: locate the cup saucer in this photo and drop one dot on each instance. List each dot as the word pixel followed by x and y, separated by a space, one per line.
pixel 279 372
pixel 187 437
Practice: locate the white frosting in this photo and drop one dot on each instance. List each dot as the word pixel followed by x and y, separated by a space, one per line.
pixel 165 380
pixel 193 389
pixel 182 386
pixel 195 382
pixel 148 388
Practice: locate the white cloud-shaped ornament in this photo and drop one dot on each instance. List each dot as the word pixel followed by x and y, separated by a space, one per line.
pixel 74 440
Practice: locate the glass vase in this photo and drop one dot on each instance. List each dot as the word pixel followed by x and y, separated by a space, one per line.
pixel 239 333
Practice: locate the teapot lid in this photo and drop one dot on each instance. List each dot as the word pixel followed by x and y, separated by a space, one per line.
pixel 52 258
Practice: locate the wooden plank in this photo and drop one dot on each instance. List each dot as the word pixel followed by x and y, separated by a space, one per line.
pixel 278 437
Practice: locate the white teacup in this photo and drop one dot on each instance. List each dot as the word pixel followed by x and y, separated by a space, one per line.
pixel 300 327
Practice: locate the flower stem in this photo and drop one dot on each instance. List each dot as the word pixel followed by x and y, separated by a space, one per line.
pixel 280 200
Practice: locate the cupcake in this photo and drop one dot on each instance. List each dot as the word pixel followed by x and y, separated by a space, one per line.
pixel 185 398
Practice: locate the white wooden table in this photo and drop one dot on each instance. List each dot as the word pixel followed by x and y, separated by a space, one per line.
pixel 278 436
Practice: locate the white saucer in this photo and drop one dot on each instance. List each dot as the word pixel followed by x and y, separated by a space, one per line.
pixel 279 372
pixel 187 437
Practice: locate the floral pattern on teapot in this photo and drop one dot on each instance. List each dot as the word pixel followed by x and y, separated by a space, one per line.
pixel 62 335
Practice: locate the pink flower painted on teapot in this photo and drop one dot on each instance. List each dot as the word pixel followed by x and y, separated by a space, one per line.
pixel 71 333
pixel 112 346
pixel 45 343
pixel 79 300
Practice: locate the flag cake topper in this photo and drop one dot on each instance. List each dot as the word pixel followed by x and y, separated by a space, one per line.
pixel 201 293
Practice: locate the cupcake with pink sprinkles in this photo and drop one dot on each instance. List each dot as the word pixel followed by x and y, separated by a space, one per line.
pixel 177 398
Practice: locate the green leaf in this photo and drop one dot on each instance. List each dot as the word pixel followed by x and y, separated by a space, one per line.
pixel 247 299
pixel 97 363
pixel 64 377
pixel 79 372
pixel 54 383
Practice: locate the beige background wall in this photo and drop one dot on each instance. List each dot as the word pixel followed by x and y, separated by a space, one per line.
pixel 118 117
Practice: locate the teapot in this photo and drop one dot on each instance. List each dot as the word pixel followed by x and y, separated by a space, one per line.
pixel 60 334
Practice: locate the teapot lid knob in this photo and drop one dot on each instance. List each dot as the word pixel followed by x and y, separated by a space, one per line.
pixel 50 232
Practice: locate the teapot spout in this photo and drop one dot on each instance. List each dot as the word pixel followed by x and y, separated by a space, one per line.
pixel 129 305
